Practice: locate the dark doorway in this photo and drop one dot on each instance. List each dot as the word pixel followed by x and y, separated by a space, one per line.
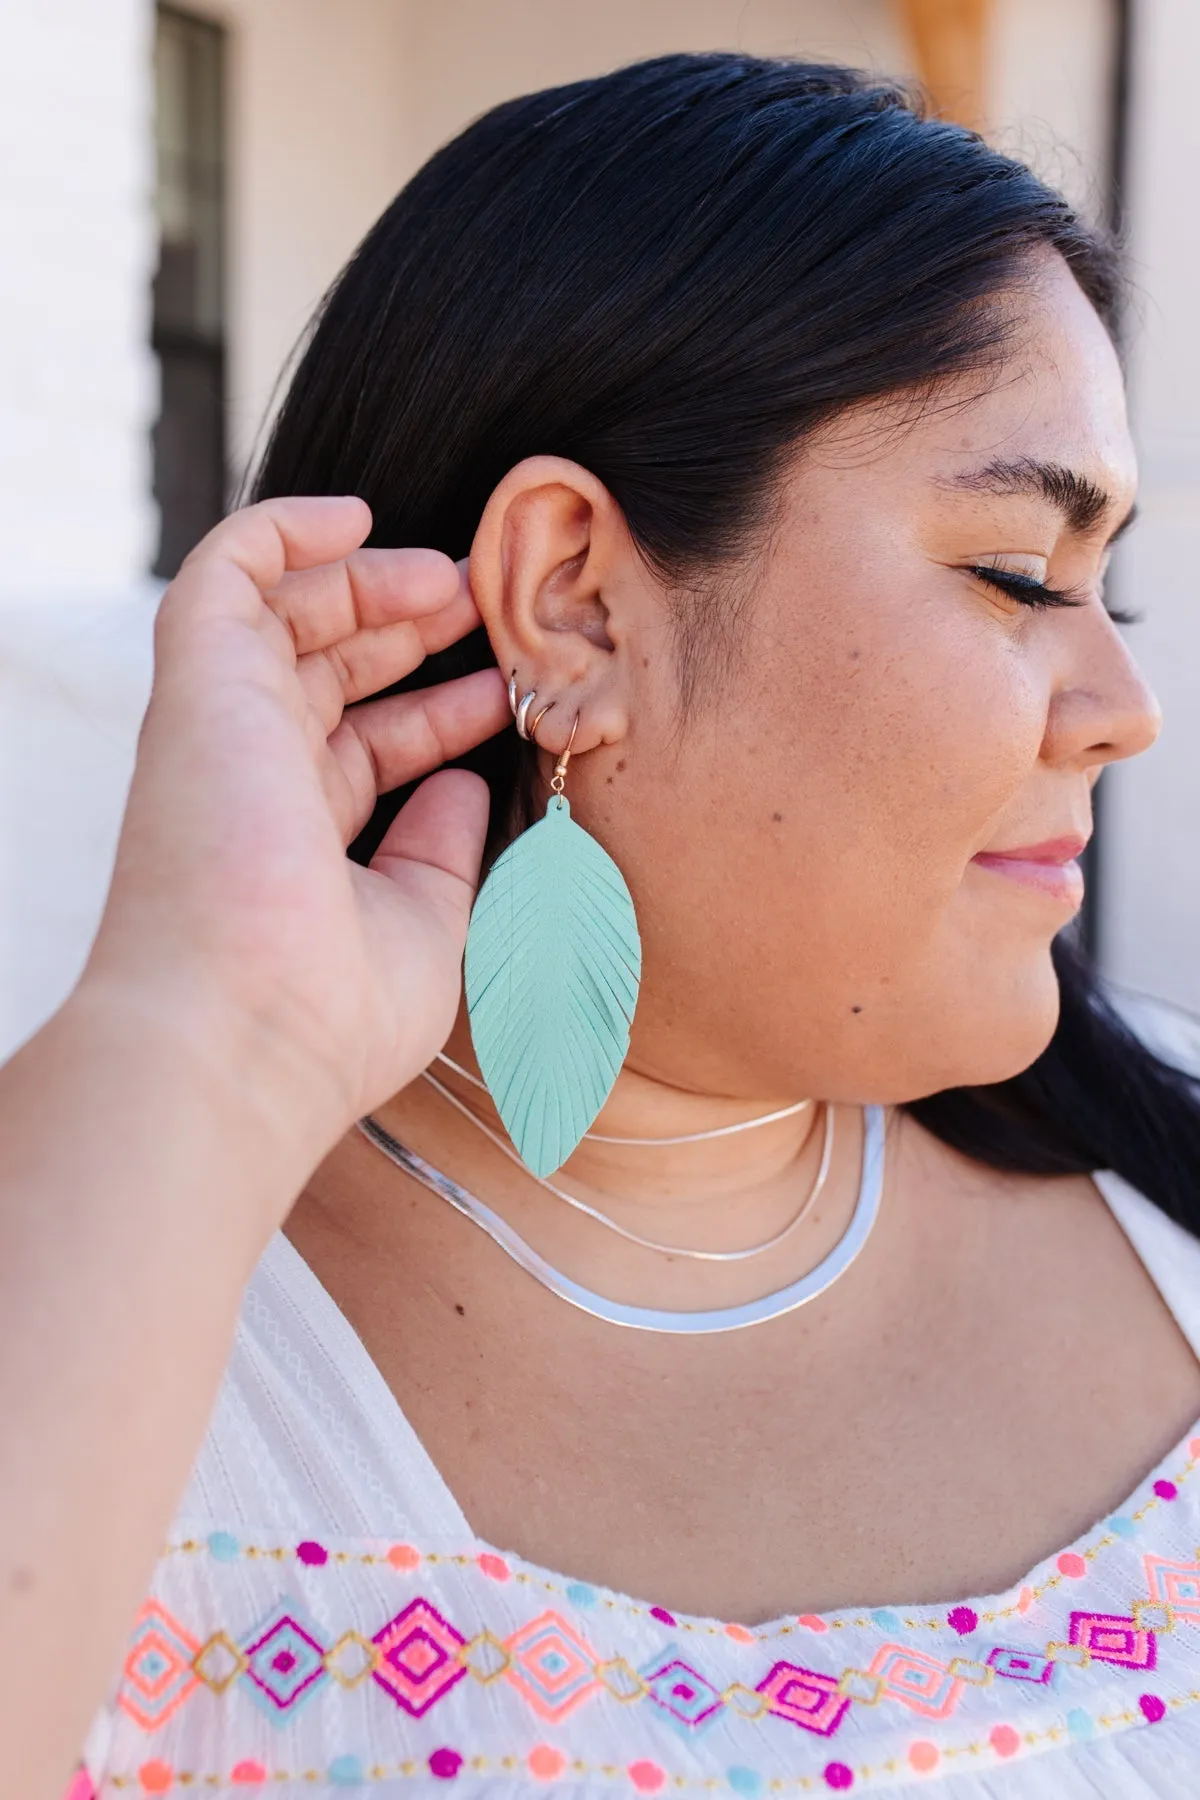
pixel 189 300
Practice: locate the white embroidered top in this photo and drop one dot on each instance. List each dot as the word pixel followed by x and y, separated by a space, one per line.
pixel 323 1621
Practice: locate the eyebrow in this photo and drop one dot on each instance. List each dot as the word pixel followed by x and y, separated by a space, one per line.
pixel 1081 502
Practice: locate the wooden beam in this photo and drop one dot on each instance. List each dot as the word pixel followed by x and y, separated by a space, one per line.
pixel 950 40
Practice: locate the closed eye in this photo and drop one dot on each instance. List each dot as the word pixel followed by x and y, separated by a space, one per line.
pixel 1037 594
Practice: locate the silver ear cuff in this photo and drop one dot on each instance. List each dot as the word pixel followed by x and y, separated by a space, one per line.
pixel 520 709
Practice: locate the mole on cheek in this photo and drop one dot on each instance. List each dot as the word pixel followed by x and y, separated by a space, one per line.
pixel 856 1009
pixel 620 765
pixel 777 817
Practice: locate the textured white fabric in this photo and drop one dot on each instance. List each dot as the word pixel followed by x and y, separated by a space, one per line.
pixel 418 1658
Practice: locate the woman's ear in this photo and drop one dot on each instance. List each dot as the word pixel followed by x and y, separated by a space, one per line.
pixel 546 572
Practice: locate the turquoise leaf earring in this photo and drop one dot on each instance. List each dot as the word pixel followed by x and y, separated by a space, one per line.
pixel 553 965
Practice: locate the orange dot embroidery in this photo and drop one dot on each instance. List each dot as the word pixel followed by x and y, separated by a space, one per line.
pixel 156 1777
pixel 1071 1564
pixel 813 1621
pixel 646 1777
pixel 739 1634
pixel 546 1762
pixel 494 1566
pixel 924 1756
pixel 1004 1740
pixel 404 1557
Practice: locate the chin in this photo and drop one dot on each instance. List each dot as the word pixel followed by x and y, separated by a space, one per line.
pixel 979 1035
pixel 1010 1033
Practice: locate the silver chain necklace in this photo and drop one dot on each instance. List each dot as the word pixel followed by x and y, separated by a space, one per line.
pixel 687 1137
pixel 646 1318
pixel 632 1237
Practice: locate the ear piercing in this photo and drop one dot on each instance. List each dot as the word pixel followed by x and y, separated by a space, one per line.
pixel 521 708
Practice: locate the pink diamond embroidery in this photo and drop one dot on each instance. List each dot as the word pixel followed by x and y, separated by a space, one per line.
pixel 158 1674
pixel 1021 1665
pixel 418 1657
pixel 552 1666
pixel 284 1664
pixel 919 1680
pixel 689 1700
pixel 806 1697
pixel 1108 1637
pixel 1175 1584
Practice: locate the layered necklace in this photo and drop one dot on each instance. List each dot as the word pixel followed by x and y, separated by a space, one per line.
pixel 674 1322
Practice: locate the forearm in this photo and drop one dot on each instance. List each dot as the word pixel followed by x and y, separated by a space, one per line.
pixel 139 1180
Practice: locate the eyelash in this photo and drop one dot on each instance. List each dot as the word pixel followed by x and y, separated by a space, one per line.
pixel 1038 596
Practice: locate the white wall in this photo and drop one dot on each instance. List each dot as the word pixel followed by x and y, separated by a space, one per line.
pixel 77 527
pixel 464 58
pixel 74 676
pixel 1153 869
pixel 1052 67
pixel 77 385
pixel 316 130
pixel 317 141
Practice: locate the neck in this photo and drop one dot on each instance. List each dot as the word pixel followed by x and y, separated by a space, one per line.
pixel 717 1193
pixel 645 1110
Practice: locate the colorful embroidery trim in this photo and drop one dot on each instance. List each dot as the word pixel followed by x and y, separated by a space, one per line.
pixel 419 1655
pixel 548 1763
pixel 423 1651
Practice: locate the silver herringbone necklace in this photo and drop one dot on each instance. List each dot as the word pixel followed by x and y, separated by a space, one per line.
pixel 645 1318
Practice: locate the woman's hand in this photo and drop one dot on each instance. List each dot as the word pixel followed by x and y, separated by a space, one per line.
pixel 234 915
pixel 249 994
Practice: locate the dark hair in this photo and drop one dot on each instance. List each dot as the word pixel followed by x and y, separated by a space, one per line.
pixel 671 274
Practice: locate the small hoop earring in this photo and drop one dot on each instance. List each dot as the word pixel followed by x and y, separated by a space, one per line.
pixel 520 710
pixel 523 714
pixel 524 729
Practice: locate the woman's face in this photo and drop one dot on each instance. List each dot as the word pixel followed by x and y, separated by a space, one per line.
pixel 824 853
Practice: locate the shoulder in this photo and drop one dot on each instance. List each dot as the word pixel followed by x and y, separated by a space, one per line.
pixel 304 1434
pixel 1170 1252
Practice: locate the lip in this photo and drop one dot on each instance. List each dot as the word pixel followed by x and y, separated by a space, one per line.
pixel 1049 868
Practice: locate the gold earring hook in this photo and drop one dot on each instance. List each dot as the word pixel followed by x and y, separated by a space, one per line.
pixel 559 778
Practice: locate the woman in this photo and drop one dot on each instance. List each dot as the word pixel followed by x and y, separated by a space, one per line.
pixel 786 436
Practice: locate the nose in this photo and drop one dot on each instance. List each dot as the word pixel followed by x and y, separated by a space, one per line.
pixel 1104 709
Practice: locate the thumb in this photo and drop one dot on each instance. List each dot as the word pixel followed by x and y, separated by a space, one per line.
pixel 442 828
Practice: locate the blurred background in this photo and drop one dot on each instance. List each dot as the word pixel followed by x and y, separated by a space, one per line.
pixel 178 185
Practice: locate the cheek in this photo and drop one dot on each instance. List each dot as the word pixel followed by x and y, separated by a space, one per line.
pixel 914 741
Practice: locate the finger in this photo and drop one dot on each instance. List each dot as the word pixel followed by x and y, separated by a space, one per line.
pixel 323 606
pixel 442 827
pixel 373 659
pixel 248 554
pixel 383 744
pixel 263 542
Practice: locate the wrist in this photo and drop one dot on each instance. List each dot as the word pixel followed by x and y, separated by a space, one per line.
pixel 169 1050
